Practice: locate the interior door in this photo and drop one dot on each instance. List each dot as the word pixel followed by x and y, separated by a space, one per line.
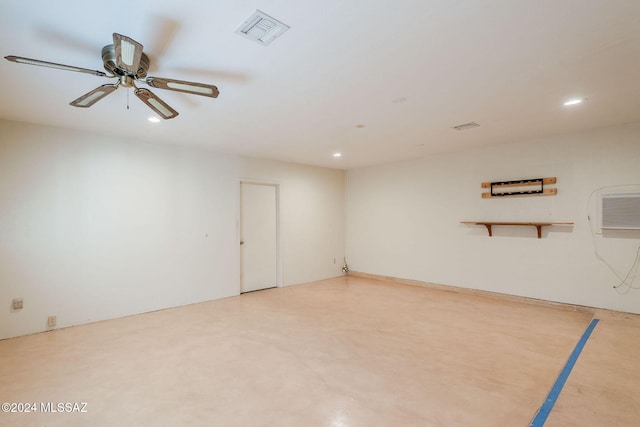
pixel 258 237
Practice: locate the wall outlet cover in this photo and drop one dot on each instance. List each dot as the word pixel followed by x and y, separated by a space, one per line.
pixel 17 304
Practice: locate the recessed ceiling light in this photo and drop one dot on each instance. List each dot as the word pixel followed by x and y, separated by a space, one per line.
pixel 574 101
pixel 154 119
pixel 337 154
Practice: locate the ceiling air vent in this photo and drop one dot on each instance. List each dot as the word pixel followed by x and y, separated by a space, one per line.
pixel 262 28
pixel 466 126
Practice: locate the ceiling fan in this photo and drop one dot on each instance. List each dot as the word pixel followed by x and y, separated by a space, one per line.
pixel 125 61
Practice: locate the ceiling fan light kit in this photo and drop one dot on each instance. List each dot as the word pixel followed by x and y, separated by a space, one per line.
pixel 125 61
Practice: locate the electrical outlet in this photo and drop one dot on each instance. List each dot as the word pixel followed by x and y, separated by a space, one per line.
pixel 51 321
pixel 17 304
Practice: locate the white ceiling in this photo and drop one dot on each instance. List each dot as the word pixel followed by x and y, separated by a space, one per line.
pixel 408 70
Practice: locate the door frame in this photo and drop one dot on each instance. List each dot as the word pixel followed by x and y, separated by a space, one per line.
pixel 276 185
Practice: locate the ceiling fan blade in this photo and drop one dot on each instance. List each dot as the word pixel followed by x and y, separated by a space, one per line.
pixel 156 104
pixel 128 53
pixel 29 61
pixel 183 86
pixel 90 98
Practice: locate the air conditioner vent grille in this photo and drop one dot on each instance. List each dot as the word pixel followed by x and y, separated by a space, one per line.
pixel 621 211
pixel 262 28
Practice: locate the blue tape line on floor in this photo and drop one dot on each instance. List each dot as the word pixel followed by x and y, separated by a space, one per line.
pixel 546 407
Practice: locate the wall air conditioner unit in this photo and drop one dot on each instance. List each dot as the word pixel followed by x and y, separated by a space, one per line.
pixel 621 211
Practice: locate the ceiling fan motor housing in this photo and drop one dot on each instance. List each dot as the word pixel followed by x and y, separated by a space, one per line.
pixel 109 61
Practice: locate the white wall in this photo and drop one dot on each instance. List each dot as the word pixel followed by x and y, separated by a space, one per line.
pixel 403 219
pixel 311 217
pixel 95 227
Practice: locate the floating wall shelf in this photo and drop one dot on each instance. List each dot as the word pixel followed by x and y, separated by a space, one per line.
pixel 537 225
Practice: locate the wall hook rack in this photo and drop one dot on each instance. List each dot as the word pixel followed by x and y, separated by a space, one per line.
pixel 521 187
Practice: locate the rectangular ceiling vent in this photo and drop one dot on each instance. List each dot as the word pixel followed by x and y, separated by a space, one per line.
pixel 466 126
pixel 262 28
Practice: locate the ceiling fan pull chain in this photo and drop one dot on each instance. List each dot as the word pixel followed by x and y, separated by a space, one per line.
pixel 128 90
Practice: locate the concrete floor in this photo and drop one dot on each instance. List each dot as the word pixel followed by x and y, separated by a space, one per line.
pixel 349 351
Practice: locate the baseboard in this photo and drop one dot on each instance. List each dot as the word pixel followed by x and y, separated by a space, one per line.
pixel 476 292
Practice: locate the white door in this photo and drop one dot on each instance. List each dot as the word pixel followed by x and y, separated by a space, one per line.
pixel 258 237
